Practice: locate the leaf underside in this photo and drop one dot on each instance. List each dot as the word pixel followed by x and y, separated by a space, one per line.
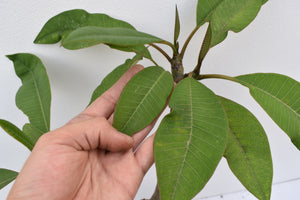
pixel 279 96
pixel 226 15
pixel 6 176
pixel 190 141
pixel 247 151
pixel 142 99
pixel 34 96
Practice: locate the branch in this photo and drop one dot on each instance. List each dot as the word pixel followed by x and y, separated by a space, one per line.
pixel 161 51
pixel 156 195
pixel 188 41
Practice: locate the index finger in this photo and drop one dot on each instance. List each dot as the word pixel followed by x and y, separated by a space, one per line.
pixel 105 105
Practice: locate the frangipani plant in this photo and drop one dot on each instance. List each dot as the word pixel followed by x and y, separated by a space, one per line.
pixel 201 127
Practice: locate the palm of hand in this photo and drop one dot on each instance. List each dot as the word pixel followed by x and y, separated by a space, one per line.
pixel 87 158
pixel 91 174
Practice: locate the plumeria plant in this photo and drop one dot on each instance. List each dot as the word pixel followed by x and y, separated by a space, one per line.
pixel 201 127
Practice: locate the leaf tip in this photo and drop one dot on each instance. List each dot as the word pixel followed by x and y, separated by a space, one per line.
pixel 11 57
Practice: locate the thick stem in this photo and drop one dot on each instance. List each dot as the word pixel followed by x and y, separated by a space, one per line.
pixel 177 68
pixel 156 195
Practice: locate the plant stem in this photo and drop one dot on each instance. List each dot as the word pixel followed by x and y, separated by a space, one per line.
pixel 170 45
pixel 206 44
pixel 162 52
pixel 188 41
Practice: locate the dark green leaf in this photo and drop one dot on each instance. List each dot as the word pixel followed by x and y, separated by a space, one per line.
pixel 190 141
pixel 279 96
pixel 114 76
pixel 248 152
pixel 34 96
pixel 142 99
pixel 6 176
pixel 93 35
pixel 177 26
pixel 61 25
pixel 16 133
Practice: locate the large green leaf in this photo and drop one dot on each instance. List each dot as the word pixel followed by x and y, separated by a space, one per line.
pixel 279 96
pixel 247 151
pixel 225 15
pixel 6 176
pixel 232 15
pixel 59 26
pixel 15 132
pixel 205 9
pixel 93 35
pixel 34 96
pixel 62 24
pixel 190 141
pixel 142 99
pixel 114 76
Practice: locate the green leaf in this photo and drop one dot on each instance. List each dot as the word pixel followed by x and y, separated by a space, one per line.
pixel 279 96
pixel 16 133
pixel 6 176
pixel 61 25
pixel 190 141
pixel 226 15
pixel 34 96
pixel 177 26
pixel 114 76
pixel 142 99
pixel 205 9
pixel 248 152
pixel 93 35
pixel 32 132
pixel 232 15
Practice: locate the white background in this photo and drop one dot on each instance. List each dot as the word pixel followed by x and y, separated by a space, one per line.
pixel 270 44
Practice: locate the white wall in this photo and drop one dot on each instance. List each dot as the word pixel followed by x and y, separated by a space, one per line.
pixel 269 44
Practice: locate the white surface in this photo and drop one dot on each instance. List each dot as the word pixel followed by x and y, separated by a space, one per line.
pixel 269 44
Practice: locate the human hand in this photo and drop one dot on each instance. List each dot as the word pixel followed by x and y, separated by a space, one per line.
pixel 87 158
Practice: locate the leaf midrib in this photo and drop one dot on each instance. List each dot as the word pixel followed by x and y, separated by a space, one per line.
pixel 146 95
pixel 8 180
pixel 84 39
pixel 188 143
pixel 249 85
pixel 38 97
pixel 247 161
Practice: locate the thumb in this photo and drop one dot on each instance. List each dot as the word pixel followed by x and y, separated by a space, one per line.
pixel 95 133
